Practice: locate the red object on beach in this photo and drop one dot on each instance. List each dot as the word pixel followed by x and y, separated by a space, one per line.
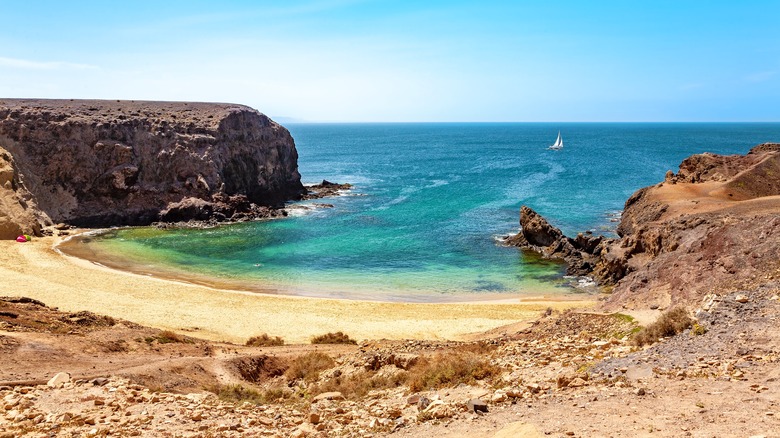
pixel 21 239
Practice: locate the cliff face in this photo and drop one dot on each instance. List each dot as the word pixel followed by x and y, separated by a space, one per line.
pixel 713 227
pixel 100 163
pixel 18 211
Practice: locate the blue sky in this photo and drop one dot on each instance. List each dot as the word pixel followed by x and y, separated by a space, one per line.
pixel 402 61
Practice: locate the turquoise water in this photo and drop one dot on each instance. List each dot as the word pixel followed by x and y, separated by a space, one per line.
pixel 428 203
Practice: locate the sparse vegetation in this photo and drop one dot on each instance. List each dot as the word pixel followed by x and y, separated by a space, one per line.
pixel 670 323
pixel 623 317
pixel 357 385
pixel 480 347
pixel 168 337
pixel 698 329
pixel 308 366
pixel 118 346
pixel 264 341
pixel 333 338
pixel 450 370
pixel 240 394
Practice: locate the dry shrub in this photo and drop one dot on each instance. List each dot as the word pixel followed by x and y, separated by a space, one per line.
pixel 333 338
pixel 308 366
pixel 668 324
pixel 264 341
pixel 240 394
pixel 259 368
pixel 118 346
pixel 168 337
pixel 479 347
pixel 357 385
pixel 450 370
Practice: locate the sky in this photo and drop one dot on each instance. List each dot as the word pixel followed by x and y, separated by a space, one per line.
pixel 407 61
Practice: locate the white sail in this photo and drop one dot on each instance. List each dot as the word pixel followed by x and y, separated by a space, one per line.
pixel 558 142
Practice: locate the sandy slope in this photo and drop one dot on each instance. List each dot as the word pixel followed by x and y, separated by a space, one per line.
pixel 36 270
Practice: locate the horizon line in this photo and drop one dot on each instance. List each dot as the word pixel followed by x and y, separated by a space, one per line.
pixel 336 122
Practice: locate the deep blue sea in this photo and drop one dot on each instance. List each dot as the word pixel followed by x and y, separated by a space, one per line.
pixel 428 203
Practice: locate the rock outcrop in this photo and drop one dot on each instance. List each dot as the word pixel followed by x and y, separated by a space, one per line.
pixel 18 212
pixel 100 163
pixel 711 228
pixel 539 236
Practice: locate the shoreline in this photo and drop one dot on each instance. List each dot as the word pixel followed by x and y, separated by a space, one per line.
pixel 69 247
pixel 38 270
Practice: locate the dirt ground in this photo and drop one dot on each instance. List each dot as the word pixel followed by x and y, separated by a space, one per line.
pixel 567 374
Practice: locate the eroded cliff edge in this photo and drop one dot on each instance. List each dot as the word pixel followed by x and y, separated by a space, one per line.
pixel 101 163
pixel 714 227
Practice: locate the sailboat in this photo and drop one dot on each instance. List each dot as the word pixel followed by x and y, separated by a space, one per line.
pixel 558 143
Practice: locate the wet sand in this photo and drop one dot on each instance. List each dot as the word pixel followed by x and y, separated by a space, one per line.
pixel 36 270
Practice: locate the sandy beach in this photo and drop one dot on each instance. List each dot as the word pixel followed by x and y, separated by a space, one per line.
pixel 36 270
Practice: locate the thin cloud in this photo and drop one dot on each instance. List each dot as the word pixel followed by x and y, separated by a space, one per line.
pixel 39 65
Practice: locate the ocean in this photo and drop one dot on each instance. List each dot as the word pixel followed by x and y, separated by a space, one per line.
pixel 428 205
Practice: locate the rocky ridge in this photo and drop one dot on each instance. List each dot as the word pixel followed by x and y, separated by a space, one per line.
pixel 105 163
pixel 710 228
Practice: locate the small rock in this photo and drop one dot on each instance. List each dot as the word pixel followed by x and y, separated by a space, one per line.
pixel 476 405
pixel 439 409
pixel 640 391
pixel 335 395
pixel 514 392
pixel 314 417
pixel 498 396
pixel 58 380
pixel 423 403
pixel 577 382
pixel 741 298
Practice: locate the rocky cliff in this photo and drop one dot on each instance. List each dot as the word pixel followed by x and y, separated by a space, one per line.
pixel 711 228
pixel 101 163
pixel 18 212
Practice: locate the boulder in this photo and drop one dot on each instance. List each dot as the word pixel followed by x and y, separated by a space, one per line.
pixel 58 380
pixel 476 405
pixel 536 230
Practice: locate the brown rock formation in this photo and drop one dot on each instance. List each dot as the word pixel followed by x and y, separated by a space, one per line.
pixel 711 228
pixel 538 235
pixel 18 212
pixel 98 163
